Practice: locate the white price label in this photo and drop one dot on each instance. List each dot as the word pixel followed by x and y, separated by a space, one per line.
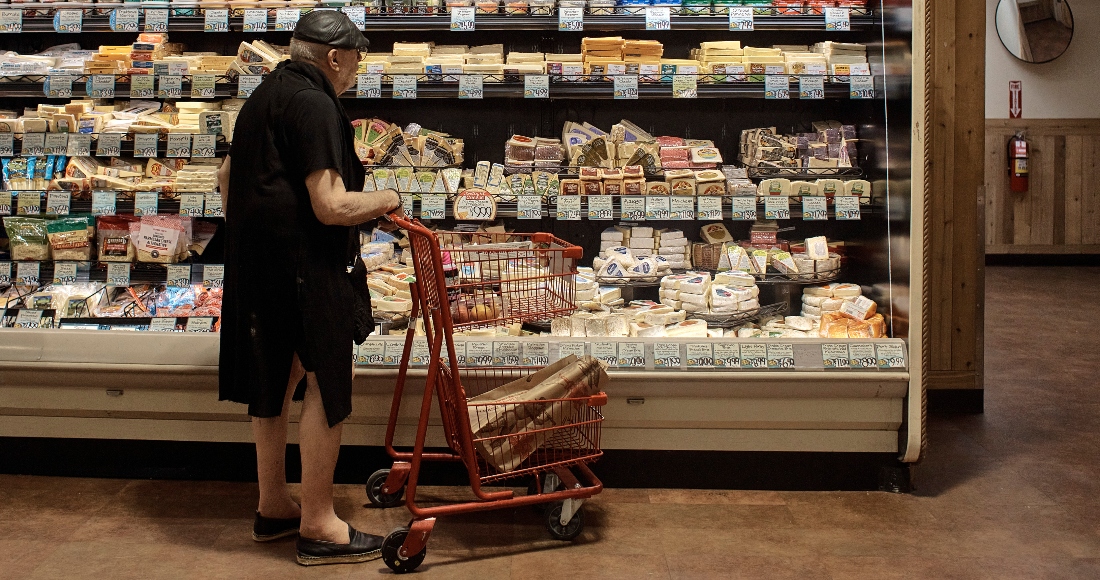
pixel 68 21
pixel 777 87
pixel 632 355
pixel 191 204
pixel 570 19
pixel 202 86
pixel 103 202
pixel 255 20
pixel 28 203
pixel 213 275
pixel 204 146
pixel 7 145
pixel 626 86
pixel 814 208
pixel 59 87
pixel 179 275
pixel 709 208
pixel 529 207
pixel 657 207
pixel 145 204
pixel 125 19
pixel 64 273
pixel 368 86
pixel 407 203
pixel 658 18
pixel 56 143
pixel 392 352
pixel 462 19
pixel 606 352
pixel 572 72
pixel 890 355
pixel 216 21
pixel 371 352
pixel 246 85
pixel 433 207
pixel 777 207
pixel 574 348
pixel 179 145
pixel 633 208
pixel 506 353
pixel 741 19
pixel 142 86
pixel 700 355
pixel 80 145
pixel 162 324
pixel 811 87
pixel 861 87
pixel 199 324
pixel 169 87
pixel 26 273
pixel 474 205
pixel 847 207
pixel 286 19
pixel 681 207
pixel 404 87
pixel 744 208
pixel 5 273
pixel 536 86
pixel 108 145
pixel 835 356
pixel 685 86
pixel 780 356
pixel 11 21
pixel 600 207
pixel 421 353
pixel 145 145
pixel 34 144
pixel 862 355
pixel 754 355
pixel 666 355
pixel 27 318
pixel 727 355
pixel 357 14
pixel 479 353
pixel 471 86
pixel 838 19
pixel 536 354
pixel 156 20
pixel 213 204
pixel 569 207
pixel 58 202
pixel 118 274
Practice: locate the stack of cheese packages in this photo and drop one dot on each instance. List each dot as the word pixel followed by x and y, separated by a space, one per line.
pixel 778 327
pixel 256 58
pixel 840 56
pixel 638 252
pixel 378 142
pixel 727 293
pixel 832 145
pixel 604 315
pixel 843 312
pixel 522 153
pixel 628 144
pixel 389 289
pixel 715 57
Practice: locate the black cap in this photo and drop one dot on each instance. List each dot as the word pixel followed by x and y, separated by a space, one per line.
pixel 332 28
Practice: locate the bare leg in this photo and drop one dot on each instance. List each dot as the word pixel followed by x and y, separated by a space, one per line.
pixel 320 447
pixel 270 436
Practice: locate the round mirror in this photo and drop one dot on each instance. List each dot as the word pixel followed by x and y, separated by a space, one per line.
pixel 1035 30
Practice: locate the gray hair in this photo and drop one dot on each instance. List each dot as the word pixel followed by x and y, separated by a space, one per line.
pixel 303 50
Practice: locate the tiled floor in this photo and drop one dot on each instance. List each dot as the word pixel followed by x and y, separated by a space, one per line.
pixel 1013 493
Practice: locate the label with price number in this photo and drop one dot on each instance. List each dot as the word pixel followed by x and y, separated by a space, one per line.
pixel 462 19
pixel 357 14
pixel 727 355
pixel 101 87
pixel 64 272
pixel 255 20
pixel 202 86
pixel 179 145
pixel 247 84
pixel 536 86
pixel 861 87
pixel 709 208
pixel 368 86
pixel 58 202
pixel 5 273
pixel 777 207
pixel 213 204
pixel 142 86
pixel 392 351
pixel 506 353
pixel 606 352
pixel 780 356
pixel 433 207
pixel 862 356
pixel 286 19
pixel 811 87
pixel 471 86
pixel 216 21
pixel 536 354
pixel 68 21
pixel 658 207
pixel 741 19
pixel 474 204
pixel 163 324
pixel 213 275
pixel 658 18
pixel 777 87
pixel 838 19
pixel 169 87
pixel 179 275
pixel 404 87
pixel 118 274
pixel 600 207
pixel 421 353
pixel 814 208
pixel 569 207
pixel 103 202
pixel 754 355
pixel 681 207
pixel 632 208
pixel 479 353
pixel 570 19
pixel 28 318
pixel 890 355
pixel 191 204
pixel 700 356
pixel 685 86
pixel 529 207
pixel 835 356
pixel 28 203
pixel 847 207
pixel 371 352
pixel 666 355
pixel 572 348
pixel 34 143
pixel 156 20
pixel 626 86
pixel 199 324
pixel 744 208
pixel 631 355
pixel 204 146
pixel 58 87
pixel 11 21
pixel 145 145
pixel 7 144
pixel 80 145
pixel 125 19
pixel 108 145
pixel 27 273
pixel 145 204
pixel 56 143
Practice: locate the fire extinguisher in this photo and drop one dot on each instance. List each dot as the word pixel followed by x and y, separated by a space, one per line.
pixel 1017 163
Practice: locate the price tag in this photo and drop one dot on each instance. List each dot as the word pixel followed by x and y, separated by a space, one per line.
pixel 462 19
pixel 404 87
pixel 700 355
pixel 666 355
pixel 27 318
pixel 811 87
pixel 7 145
pixel 125 19
pixel 145 144
pixel 11 21
pixel 633 208
pixel 421 354
pixel 709 208
pixel 64 273
pixel 368 86
pixel 744 208
pixel 838 19
pixel 847 207
pixel 685 86
pixel 890 355
pixel 118 274
pixel 372 352
pixel 216 21
pixel 191 204
pixel 162 324
pixel 103 203
pixel 101 87
pixel 572 72
pixel 777 207
pixel 68 21
pixel 574 348
pixel 58 202
pixel 109 145
pixel 780 356
pixel 861 87
pixel 286 19
pixel 741 19
pixel 145 203
pixel 433 207
pixel 569 207
pixel 255 20
pixel 392 352
pixel 632 355
pixel 179 145
pixel 754 356
pixel 29 203
pixel 199 324
pixel 170 87
pixel 471 86
pixel 203 146
pixel 626 86
pixel 600 207
pixel 727 355
pixel 213 207
pixel 179 275
pixel 682 207
pixel 407 202
pixel 657 207
pixel 202 86
pixel 34 144
pixel 862 356
pixel 536 354
pixel 246 85
pixel 5 273
pixel 835 356
pixel 479 353
pixel 56 143
pixel 213 275
pixel 529 207
pixel 357 14
pixel 142 86
pixel 474 204
pixel 59 87
pixel 26 273
pixel 658 18
pixel 814 208
pixel 156 20
pixel 777 87
pixel 536 86
pixel 606 352
pixel 506 353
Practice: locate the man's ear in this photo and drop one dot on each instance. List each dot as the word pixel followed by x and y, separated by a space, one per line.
pixel 331 59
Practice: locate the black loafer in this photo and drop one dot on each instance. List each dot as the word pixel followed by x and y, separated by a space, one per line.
pixel 362 548
pixel 268 529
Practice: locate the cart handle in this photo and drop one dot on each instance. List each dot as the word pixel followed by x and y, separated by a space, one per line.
pixel 598 400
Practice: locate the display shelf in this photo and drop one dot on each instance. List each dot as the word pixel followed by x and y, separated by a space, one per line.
pixel 95 271
pixel 33 87
pixel 127 145
pixel 124 204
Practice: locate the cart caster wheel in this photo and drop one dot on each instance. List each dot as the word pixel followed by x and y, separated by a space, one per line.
pixel 567 532
pixel 392 544
pixel 374 491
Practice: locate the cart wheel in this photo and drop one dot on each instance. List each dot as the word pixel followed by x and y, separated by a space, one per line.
pixel 374 491
pixel 568 531
pixel 392 544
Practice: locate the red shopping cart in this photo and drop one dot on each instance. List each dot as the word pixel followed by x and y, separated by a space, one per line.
pixel 472 280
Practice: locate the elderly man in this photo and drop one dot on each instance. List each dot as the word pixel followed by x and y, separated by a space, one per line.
pixel 292 199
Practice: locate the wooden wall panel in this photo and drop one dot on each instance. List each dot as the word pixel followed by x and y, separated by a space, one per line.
pixel 1058 213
